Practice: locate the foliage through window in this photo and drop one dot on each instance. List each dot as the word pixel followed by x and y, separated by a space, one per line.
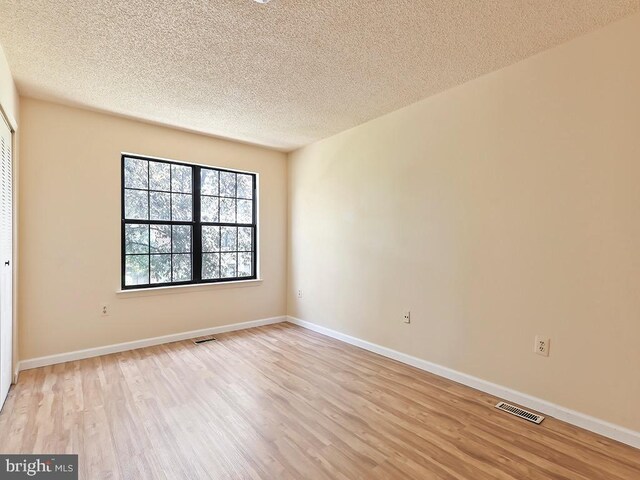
pixel 186 224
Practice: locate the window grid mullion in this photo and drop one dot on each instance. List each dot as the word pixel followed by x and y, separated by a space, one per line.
pixel 237 229
pixel 196 230
pixel 171 227
pixel 149 227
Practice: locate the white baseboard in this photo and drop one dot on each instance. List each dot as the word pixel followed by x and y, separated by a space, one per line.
pixel 146 342
pixel 573 417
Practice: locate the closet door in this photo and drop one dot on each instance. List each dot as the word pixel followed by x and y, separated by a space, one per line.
pixel 6 256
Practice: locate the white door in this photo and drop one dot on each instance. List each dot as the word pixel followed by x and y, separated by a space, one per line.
pixel 6 264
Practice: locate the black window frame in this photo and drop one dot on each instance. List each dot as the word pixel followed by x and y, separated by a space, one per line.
pixel 195 223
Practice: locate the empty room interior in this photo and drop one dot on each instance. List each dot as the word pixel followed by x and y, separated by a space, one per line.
pixel 320 239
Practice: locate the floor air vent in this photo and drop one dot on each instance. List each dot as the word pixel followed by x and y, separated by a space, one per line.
pixel 518 412
pixel 205 339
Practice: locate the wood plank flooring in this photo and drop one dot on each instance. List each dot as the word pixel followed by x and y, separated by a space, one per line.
pixel 282 402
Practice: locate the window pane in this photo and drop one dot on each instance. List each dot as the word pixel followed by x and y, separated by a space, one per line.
pixel 210 266
pixel 227 210
pixel 181 207
pixel 209 209
pixel 160 208
pixel 181 267
pixel 229 239
pixel 245 211
pixel 160 268
pixel 245 186
pixel 227 184
pixel 209 182
pixel 210 239
pixel 244 239
pixel 162 192
pixel 136 205
pixel 160 238
pixel 159 176
pixel 228 265
pixel 136 270
pixel 135 173
pixel 181 178
pixel 244 264
pixel 136 238
pixel 181 239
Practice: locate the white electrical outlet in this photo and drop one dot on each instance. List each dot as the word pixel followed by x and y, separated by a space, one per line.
pixel 541 346
pixel 299 293
pixel 104 310
pixel 406 317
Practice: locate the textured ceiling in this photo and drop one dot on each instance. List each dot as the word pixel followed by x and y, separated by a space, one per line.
pixel 282 74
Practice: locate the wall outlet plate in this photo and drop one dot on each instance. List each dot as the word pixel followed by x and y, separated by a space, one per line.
pixel 104 310
pixel 541 346
pixel 300 293
pixel 406 317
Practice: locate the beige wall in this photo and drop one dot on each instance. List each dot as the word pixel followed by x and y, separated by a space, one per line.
pixel 70 231
pixel 504 208
pixel 8 93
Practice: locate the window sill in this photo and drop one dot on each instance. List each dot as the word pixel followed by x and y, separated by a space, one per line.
pixel 144 292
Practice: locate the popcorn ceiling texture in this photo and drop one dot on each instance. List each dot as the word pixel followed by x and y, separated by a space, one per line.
pixel 283 74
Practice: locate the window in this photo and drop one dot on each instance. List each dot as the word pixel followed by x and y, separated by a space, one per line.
pixel 186 224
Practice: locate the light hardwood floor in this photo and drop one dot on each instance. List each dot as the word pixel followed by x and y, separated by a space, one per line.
pixel 282 402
